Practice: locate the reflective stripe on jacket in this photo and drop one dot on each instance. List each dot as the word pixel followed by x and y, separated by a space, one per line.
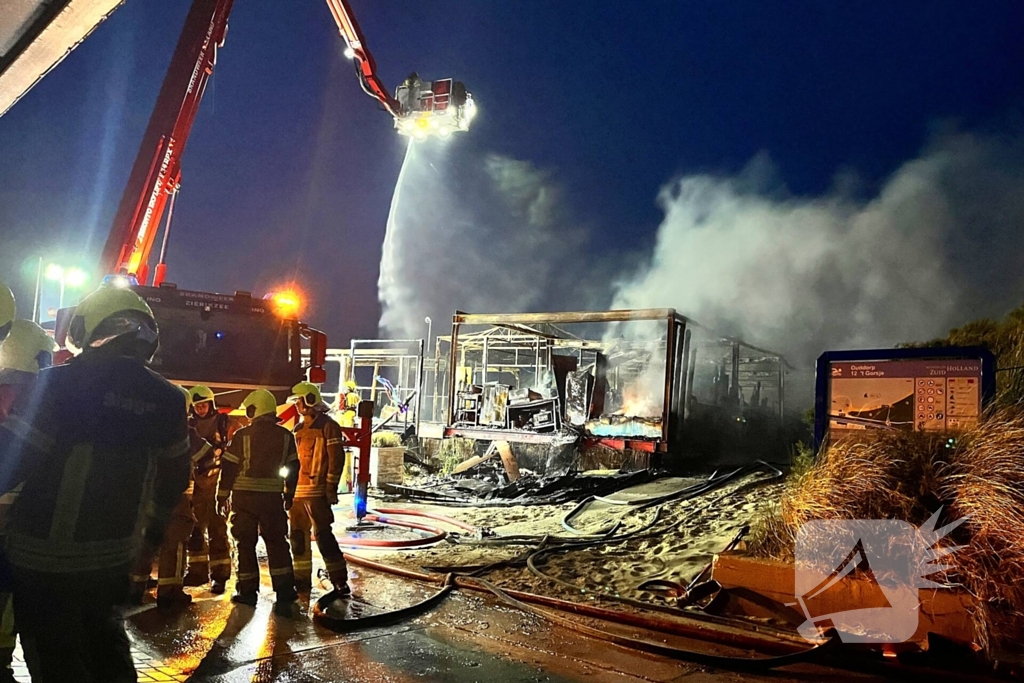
pixel 102 448
pixel 255 458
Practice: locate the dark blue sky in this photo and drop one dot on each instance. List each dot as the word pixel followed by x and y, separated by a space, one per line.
pixel 290 167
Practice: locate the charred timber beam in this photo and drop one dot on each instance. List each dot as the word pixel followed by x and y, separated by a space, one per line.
pixel 566 317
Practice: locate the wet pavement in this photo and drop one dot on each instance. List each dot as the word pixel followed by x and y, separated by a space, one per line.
pixel 470 637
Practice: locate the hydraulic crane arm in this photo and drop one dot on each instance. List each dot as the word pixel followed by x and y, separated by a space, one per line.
pixel 419 109
pixel 157 169
pixel 366 67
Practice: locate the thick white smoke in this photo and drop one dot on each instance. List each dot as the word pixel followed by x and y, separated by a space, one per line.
pixel 939 243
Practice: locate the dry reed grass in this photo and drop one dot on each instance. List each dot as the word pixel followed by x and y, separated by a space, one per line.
pixel 910 475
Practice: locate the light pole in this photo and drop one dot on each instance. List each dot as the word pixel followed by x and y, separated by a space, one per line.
pixel 429 322
pixel 65 277
pixel 36 313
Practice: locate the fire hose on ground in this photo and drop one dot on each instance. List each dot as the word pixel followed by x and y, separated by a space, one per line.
pixel 521 601
pixel 785 648
pixel 381 517
pixel 705 627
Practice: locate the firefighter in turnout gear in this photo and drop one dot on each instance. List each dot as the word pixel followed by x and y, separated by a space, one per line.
pixel 7 311
pixel 321 461
pixel 26 351
pixel 209 552
pixel 171 558
pixel 101 445
pixel 257 485
pixel 348 404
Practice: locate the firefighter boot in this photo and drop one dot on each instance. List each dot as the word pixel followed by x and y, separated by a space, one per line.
pixel 6 674
pixel 247 598
pixel 284 587
pixel 138 585
pixel 339 581
pixel 7 644
pixel 8 639
pixel 136 594
pixel 218 587
pixel 173 600
pixel 194 579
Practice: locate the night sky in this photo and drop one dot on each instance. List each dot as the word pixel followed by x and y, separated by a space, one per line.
pixel 290 168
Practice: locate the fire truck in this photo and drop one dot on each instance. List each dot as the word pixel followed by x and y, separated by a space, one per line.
pixel 235 342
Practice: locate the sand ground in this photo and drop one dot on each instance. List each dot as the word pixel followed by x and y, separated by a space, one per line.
pixel 677 547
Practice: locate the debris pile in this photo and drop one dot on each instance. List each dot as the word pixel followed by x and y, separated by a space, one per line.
pixel 488 486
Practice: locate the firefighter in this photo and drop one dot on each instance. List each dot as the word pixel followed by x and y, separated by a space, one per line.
pixel 348 404
pixel 26 351
pixel 101 445
pixel 209 552
pixel 7 310
pixel 409 94
pixel 321 463
pixel 257 485
pixel 171 558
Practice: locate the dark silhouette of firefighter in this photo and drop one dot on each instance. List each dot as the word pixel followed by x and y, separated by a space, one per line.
pixel 209 551
pixel 25 351
pixel 171 557
pixel 321 463
pixel 257 486
pixel 101 448
pixel 7 311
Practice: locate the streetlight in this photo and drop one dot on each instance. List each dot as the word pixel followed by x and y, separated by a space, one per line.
pixel 66 277
pixel 428 321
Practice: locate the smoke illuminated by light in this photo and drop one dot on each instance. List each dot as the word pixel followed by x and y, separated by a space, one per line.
pixel 933 248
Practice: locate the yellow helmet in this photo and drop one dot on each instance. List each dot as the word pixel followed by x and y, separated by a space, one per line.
pixel 27 348
pixel 188 399
pixel 111 313
pixel 258 403
pixel 308 393
pixel 202 393
pixel 7 310
pixel 350 385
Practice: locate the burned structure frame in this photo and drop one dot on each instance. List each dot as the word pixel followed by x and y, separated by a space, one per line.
pixel 679 342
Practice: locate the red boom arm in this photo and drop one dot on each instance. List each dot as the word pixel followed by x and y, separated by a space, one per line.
pixel 353 36
pixel 157 170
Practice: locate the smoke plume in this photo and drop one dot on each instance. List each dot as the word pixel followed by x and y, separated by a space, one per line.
pixel 936 244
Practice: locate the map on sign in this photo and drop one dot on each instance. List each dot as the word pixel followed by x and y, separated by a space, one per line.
pixel 912 395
